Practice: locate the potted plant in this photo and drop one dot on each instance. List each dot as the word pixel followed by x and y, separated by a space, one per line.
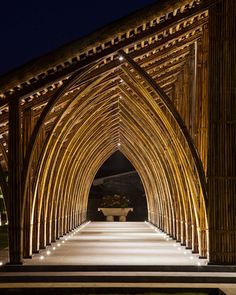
pixel 115 205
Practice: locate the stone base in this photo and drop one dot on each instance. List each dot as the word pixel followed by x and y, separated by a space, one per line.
pixel 111 212
pixel 110 218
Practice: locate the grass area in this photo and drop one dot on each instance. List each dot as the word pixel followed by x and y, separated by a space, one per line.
pixel 3 236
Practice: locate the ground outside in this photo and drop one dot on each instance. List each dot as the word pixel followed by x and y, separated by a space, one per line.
pixel 117 258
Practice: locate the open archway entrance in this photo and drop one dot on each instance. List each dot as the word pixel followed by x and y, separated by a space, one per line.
pixel 101 109
pixel 117 176
pixel 119 109
pixel 145 86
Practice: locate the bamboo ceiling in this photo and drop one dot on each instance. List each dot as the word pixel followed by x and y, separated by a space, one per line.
pixel 131 90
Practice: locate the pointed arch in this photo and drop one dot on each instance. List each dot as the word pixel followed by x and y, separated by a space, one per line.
pixel 171 108
pixel 35 136
pixel 116 107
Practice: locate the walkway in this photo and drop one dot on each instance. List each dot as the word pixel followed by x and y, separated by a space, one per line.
pixel 119 256
pixel 116 243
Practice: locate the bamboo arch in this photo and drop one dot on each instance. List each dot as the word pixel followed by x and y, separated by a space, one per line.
pixel 116 110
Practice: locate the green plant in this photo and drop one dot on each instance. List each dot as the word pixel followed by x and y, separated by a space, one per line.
pixel 115 201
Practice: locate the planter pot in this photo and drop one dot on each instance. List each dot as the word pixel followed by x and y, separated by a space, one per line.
pixel 111 212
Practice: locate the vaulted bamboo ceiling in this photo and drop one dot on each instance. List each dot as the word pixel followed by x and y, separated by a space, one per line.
pixel 161 42
pixel 126 90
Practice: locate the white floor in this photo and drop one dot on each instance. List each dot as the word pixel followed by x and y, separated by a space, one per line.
pixel 116 243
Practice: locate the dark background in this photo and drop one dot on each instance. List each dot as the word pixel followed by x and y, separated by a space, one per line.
pixel 31 28
pixel 125 181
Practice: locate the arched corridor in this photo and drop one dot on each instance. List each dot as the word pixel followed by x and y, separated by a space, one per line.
pixel 147 88
pixel 123 111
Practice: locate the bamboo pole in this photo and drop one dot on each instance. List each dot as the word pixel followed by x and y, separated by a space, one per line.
pixel 15 196
pixel 222 136
pixel 27 130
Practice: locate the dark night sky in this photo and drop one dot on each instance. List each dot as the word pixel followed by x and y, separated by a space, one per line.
pixel 32 28
pixel 116 164
pixel 29 29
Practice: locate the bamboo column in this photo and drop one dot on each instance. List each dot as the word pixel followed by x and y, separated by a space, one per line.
pixel 200 122
pixel 42 229
pixel 195 248
pixel 15 194
pixel 222 133
pixel 36 222
pixel 201 108
pixel 27 230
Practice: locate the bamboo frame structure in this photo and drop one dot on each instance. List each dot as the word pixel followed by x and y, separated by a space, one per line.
pixel 141 87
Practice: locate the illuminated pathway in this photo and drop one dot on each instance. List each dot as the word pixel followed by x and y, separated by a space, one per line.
pixel 116 243
pixel 116 255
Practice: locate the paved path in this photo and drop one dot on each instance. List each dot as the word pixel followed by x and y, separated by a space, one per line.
pixel 117 255
pixel 116 243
